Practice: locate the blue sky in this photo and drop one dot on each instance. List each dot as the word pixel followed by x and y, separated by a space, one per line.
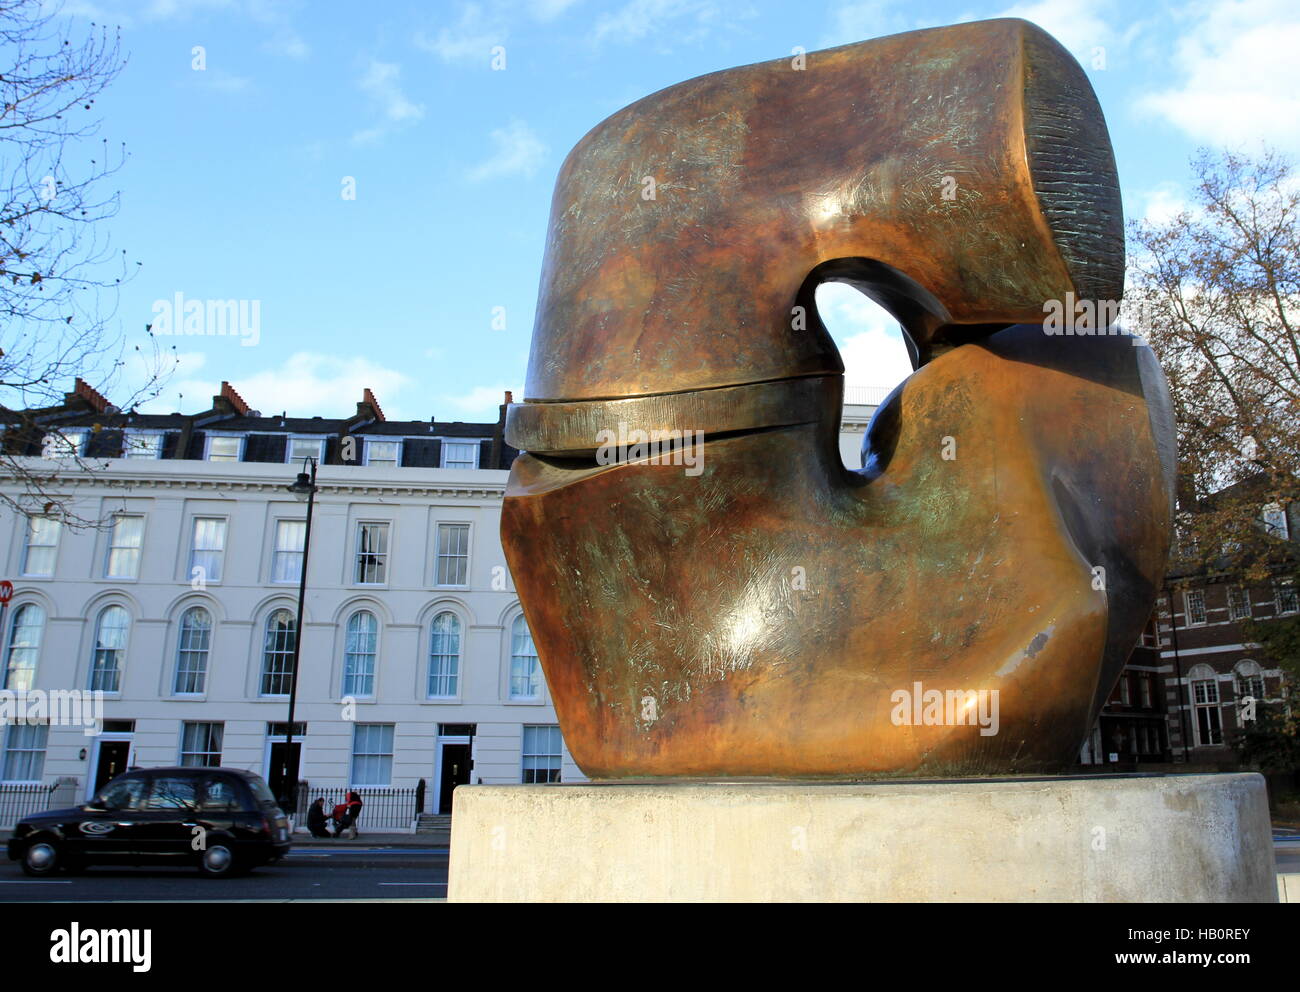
pixel 234 186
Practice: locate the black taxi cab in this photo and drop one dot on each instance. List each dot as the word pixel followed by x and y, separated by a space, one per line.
pixel 223 821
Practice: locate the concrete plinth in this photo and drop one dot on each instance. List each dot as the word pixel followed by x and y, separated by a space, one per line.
pixel 1140 838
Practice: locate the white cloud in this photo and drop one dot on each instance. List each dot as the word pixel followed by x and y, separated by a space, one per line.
pixel 381 83
pixel 1074 23
pixel 548 10
pixel 225 82
pixel 289 45
pixel 1163 204
pixel 869 339
pixel 1237 60
pixel 308 384
pixel 470 39
pixel 862 19
pixel 518 152
pixel 480 403
pixel 690 20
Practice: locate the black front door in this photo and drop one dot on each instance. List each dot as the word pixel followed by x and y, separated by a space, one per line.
pixel 455 771
pixel 113 756
pixel 283 779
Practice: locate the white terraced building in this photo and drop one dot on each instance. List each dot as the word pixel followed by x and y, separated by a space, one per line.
pixel 181 609
pixel 416 663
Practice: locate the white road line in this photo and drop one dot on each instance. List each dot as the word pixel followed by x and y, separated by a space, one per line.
pixel 412 883
pixel 39 881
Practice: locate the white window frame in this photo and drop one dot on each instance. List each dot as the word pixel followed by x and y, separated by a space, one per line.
pixel 383 557
pixel 449 662
pixel 553 758
pixel 1210 684
pixel 1275 522
pixel 381 755
pixel 119 659
pixel 185 652
pixel 397 451
pixel 219 552
pixel 7 679
pixel 529 673
pixel 29 530
pixel 451 557
pixel 64 444
pixel 1242 681
pixel 366 670
pixel 1238 608
pixel 1290 604
pixel 276 550
pixel 138 548
pixel 239 447
pixel 150 452
pixel 318 454
pixel 216 729
pixel 449 443
pixel 264 674
pixel 1187 608
pixel 15 730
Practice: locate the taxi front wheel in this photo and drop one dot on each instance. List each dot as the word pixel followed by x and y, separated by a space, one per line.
pixel 43 857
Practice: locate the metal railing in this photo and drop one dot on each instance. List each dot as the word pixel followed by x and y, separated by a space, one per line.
pixel 382 809
pixel 20 799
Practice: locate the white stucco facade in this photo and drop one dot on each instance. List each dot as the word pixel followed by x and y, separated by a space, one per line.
pixel 251 498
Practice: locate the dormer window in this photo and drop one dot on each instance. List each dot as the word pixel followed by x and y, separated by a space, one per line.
pixel 66 444
pixel 224 449
pixel 382 453
pixel 306 447
pixel 147 446
pixel 460 454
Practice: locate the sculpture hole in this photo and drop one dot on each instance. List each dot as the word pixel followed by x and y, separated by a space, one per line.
pixel 875 358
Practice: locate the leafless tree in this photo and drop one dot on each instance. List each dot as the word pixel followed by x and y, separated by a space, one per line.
pixel 59 276
pixel 1217 288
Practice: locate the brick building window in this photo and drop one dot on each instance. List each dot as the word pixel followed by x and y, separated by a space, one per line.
pixel 1205 700
pixel 1288 599
pixel 1238 603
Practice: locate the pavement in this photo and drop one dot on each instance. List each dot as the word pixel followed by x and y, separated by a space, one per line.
pixel 307 842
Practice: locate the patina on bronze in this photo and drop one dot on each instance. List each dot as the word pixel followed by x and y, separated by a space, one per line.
pixel 776 614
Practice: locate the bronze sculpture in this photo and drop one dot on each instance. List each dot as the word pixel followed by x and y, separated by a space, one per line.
pixel 773 614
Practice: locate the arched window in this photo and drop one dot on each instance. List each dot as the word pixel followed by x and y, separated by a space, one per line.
pixel 1250 680
pixel 110 645
pixel 1205 701
pixel 277 653
pixel 24 646
pixel 192 651
pixel 525 674
pixel 444 655
pixel 359 654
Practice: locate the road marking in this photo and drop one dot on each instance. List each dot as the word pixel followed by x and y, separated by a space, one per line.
pixel 412 883
pixel 39 881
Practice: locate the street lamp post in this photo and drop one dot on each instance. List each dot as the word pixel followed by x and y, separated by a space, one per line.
pixel 304 485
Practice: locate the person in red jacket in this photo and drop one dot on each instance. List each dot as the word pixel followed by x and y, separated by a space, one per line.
pixel 351 813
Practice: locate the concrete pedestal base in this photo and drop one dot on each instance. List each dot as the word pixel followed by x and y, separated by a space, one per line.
pixel 1175 838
